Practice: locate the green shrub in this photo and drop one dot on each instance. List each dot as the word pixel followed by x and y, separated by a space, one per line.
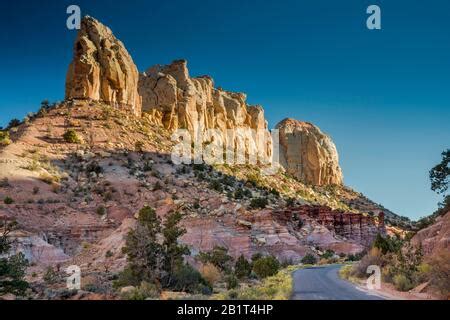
pixel 258 203
pixel 94 166
pixel 12 268
pixel 14 123
pixel 239 193
pixel 4 138
pixel 8 200
pixel 266 266
pixel 402 282
pixel 242 268
pixel 144 291
pixel 218 257
pixel 309 259
pixel 71 136
pixel 101 211
pixel 277 287
pixel 345 272
pixel 232 282
pixel 50 276
pixel 327 254
pixel 216 185
pixel 387 244
pixel 188 279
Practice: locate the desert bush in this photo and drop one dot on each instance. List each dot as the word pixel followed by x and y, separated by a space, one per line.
pixel 238 194
pixel 187 279
pixel 258 203
pixel 216 185
pixel 71 136
pixel 242 268
pixel 327 254
pixel 309 259
pixel 144 291
pixel 4 138
pixel 387 244
pixel 101 211
pixel 14 123
pixel 50 276
pixel 345 272
pixel 232 282
pixel 8 200
pixel 218 256
pixel 277 287
pixel 210 273
pixel 402 282
pixel 94 166
pixel 373 257
pixel 355 257
pixel 12 267
pixel 266 266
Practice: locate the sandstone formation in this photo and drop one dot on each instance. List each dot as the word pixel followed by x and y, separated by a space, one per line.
pixel 102 69
pixel 308 154
pixel 349 226
pixel 176 101
pixel 436 237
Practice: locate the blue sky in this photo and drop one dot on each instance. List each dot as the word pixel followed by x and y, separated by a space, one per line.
pixel 382 95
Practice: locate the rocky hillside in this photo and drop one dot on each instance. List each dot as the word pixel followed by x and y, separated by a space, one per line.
pixel 74 175
pixel 435 238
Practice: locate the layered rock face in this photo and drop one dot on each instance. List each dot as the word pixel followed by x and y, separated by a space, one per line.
pixel 102 69
pixel 176 101
pixel 351 226
pixel 308 154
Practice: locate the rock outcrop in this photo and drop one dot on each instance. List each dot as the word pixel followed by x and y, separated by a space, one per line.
pixel 434 238
pixel 354 227
pixel 308 154
pixel 102 69
pixel 176 101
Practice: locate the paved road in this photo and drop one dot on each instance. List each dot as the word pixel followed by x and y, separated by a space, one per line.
pixel 323 283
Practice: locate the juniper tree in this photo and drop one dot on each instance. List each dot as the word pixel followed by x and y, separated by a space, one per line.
pixel 12 268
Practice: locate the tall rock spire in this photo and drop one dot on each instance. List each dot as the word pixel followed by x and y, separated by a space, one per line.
pixel 102 69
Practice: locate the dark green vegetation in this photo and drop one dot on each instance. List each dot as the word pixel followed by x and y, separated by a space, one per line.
pixel 12 268
pixel 157 264
pixel 156 261
pixel 71 136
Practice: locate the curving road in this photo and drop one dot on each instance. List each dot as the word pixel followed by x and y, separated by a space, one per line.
pixel 323 283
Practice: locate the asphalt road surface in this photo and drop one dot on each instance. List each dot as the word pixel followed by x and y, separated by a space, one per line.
pixel 323 283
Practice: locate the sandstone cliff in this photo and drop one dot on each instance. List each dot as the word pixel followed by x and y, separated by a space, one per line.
pixel 102 69
pixel 308 154
pixel 176 101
